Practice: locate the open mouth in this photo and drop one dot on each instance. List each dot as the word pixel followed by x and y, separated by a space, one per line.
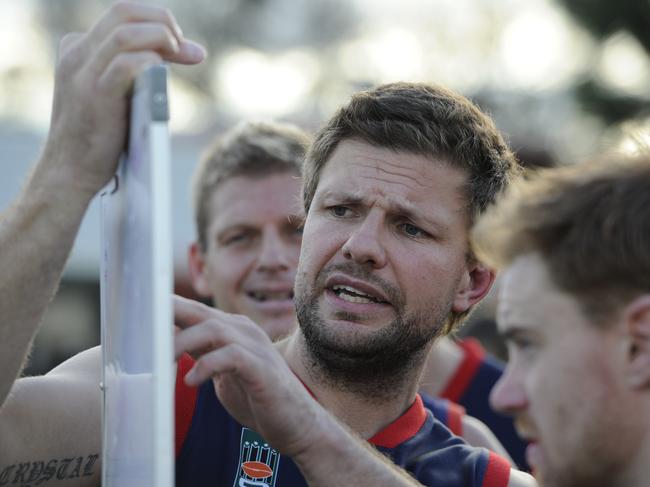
pixel 265 296
pixel 352 295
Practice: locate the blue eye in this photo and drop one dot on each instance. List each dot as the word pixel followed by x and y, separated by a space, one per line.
pixel 339 211
pixel 411 230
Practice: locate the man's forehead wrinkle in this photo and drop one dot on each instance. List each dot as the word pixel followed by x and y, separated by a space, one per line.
pixel 233 223
pixel 391 181
pixel 387 171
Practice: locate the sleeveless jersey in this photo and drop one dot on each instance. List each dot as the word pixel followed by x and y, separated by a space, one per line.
pixel 214 450
pixel 470 387
pixel 447 412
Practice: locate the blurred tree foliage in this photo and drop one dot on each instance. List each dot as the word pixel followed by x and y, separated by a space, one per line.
pixel 603 18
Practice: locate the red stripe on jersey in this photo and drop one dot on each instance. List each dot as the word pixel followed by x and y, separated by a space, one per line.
pixel 185 399
pixel 466 371
pixel 497 473
pixel 403 428
pixel 455 413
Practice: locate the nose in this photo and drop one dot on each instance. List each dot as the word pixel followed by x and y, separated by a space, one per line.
pixel 274 253
pixel 508 395
pixel 364 245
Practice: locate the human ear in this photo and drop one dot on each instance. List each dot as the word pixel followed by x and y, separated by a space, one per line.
pixel 196 264
pixel 636 318
pixel 474 286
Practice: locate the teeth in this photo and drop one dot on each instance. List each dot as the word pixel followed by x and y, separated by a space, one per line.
pixel 352 295
pixel 340 287
pixel 267 296
pixel 355 299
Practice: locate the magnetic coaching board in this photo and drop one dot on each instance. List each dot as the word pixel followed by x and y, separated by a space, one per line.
pixel 136 290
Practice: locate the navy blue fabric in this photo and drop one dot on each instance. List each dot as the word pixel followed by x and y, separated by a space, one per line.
pixel 475 400
pixel 210 453
pixel 438 407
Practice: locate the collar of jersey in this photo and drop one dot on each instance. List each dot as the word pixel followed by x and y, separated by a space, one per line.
pixel 403 428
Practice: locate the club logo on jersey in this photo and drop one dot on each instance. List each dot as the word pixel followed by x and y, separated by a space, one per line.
pixel 258 462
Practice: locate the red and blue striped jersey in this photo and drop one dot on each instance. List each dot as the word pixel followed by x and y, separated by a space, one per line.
pixel 470 387
pixel 212 449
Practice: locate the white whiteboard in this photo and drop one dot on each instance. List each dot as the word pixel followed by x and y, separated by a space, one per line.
pixel 136 290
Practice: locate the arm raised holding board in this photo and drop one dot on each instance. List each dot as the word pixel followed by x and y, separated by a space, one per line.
pixel 50 426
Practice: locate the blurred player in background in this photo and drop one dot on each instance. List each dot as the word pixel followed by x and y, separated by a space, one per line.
pixel 574 309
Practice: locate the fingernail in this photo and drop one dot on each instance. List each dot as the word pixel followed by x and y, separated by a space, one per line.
pixel 190 377
pixel 196 51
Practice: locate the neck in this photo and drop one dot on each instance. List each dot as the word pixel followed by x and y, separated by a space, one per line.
pixel 637 472
pixel 361 408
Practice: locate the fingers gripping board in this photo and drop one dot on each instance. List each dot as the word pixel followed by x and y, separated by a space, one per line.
pixel 136 289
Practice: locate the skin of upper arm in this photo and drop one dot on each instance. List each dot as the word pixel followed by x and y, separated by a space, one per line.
pixel 476 433
pixel 50 426
pixel 521 479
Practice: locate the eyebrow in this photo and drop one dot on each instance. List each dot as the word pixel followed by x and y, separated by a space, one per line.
pixel 345 198
pixel 514 332
pixel 296 219
pixel 406 210
pixel 233 226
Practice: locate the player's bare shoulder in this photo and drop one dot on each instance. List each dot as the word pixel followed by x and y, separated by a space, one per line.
pixel 50 425
pixel 521 479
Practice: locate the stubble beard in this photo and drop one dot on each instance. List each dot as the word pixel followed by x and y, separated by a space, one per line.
pixel 376 364
pixel 596 464
pixel 569 478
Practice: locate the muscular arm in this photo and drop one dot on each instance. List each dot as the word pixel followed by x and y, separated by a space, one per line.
pixel 256 386
pixel 342 458
pixel 339 457
pixel 36 235
pixel 50 426
pixel 87 134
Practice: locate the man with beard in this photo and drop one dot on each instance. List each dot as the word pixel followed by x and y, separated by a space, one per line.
pixel 246 193
pixel 574 309
pixel 385 268
pixel 392 184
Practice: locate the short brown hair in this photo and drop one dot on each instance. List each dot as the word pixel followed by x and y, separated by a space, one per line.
pixel 252 149
pixel 423 119
pixel 426 120
pixel 589 222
